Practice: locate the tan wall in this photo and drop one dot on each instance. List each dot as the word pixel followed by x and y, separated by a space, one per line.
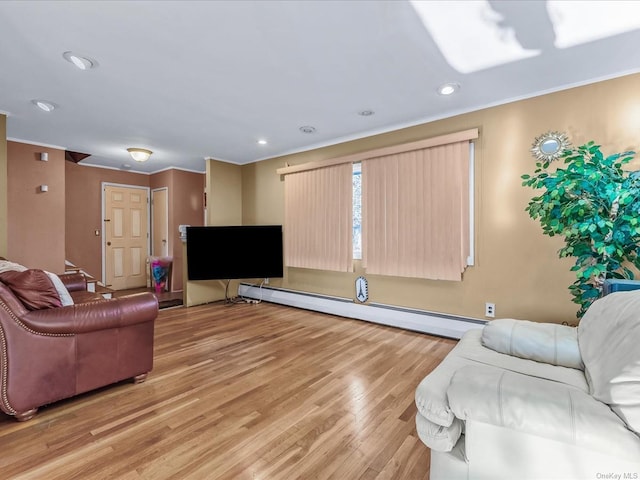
pixel 186 207
pixel 224 193
pixel 3 186
pixel 84 212
pixel 36 233
pixel 223 185
pixel 517 267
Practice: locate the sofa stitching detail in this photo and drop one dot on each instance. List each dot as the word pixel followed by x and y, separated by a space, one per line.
pixel 500 410
pixel 5 398
pixel 17 320
pixel 572 418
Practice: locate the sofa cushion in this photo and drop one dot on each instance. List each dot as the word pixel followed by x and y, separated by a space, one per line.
pixel 431 394
pixel 63 293
pixel 470 347
pixel 608 338
pixel 33 288
pixel 541 408
pixel 85 296
pixel 543 342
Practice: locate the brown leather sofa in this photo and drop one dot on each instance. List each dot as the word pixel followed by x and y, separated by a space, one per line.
pixel 49 354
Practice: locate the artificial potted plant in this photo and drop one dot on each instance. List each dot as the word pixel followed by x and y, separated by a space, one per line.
pixel 594 203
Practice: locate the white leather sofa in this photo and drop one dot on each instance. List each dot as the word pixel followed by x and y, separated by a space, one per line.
pixel 525 400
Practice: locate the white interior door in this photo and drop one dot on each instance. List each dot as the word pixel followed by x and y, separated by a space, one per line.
pixel 160 222
pixel 126 236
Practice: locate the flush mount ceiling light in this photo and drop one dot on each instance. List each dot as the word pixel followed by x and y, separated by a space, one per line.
pixel 366 113
pixel 139 154
pixel 308 129
pixel 448 88
pixel 262 141
pixel 83 63
pixel 44 105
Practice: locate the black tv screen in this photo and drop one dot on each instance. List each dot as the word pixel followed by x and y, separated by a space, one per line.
pixel 223 253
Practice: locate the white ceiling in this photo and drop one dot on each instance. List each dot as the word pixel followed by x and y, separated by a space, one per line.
pixel 197 79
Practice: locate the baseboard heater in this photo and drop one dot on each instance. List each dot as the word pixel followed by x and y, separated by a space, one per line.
pixel 440 324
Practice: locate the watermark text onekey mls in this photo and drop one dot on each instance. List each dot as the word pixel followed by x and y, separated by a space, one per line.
pixel 618 476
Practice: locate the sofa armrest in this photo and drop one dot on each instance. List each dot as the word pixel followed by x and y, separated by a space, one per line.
pixel 539 407
pixel 74 281
pixel 92 316
pixel 543 342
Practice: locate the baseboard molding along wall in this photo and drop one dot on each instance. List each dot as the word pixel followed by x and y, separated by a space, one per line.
pixel 443 325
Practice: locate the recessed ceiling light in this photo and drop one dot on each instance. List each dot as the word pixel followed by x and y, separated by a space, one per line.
pixel 44 105
pixel 262 141
pixel 366 113
pixel 83 63
pixel 448 88
pixel 308 129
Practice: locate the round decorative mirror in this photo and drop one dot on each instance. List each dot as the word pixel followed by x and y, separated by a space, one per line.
pixel 549 146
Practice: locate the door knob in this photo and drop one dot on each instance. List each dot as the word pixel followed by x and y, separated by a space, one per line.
pixel 108 244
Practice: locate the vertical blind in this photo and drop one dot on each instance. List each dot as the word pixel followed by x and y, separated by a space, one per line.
pixel 415 210
pixel 318 221
pixel 415 213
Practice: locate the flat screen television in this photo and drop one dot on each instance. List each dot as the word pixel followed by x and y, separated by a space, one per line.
pixel 224 253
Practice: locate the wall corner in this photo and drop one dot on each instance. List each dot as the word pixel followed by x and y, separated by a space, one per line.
pixel 3 187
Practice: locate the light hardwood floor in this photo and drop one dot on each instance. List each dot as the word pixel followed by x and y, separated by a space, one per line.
pixel 243 392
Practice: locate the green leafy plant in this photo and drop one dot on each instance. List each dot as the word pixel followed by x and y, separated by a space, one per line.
pixel 595 204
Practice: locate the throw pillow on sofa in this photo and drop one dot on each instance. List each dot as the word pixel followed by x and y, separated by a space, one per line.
pixel 33 288
pixel 7 266
pixel 63 293
pixel 543 342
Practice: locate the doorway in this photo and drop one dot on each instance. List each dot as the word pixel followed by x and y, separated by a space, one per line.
pixel 160 222
pixel 126 236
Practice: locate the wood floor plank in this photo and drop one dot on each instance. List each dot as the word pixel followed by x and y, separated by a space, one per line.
pixel 255 392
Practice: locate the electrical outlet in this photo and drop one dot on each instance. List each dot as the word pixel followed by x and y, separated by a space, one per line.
pixel 490 310
pixel 266 281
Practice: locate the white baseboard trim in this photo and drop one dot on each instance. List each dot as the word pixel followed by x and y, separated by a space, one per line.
pixel 443 325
